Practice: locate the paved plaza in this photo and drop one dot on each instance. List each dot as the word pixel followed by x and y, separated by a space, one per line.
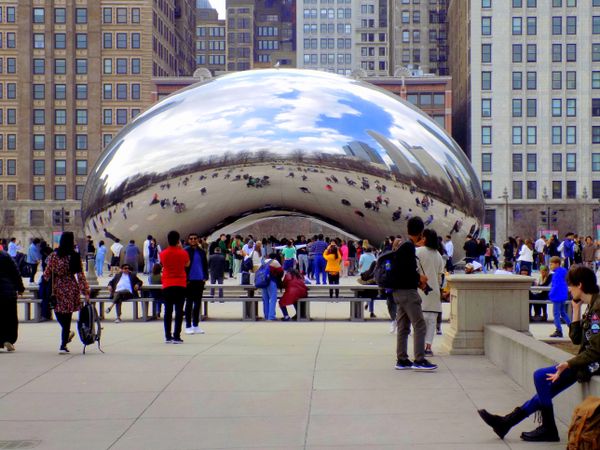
pixel 328 384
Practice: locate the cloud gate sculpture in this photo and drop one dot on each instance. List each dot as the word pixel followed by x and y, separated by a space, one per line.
pixel 276 142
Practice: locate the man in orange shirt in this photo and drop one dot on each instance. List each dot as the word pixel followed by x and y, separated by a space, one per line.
pixel 174 260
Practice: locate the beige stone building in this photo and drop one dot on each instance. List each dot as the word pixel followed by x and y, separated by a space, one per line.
pixel 211 50
pixel 526 87
pixel 73 73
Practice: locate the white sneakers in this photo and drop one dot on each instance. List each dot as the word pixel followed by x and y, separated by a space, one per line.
pixel 9 347
pixel 393 327
pixel 194 330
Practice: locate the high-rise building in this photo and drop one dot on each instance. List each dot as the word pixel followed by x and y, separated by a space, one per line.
pixel 260 33
pixel 73 74
pixel 418 34
pixel 526 84
pixel 342 37
pixel 211 50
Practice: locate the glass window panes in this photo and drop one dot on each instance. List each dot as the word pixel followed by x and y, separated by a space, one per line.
pixel 556 162
pixel 517 80
pixel 517 107
pixel 486 162
pixel 531 190
pixel 60 192
pixel 571 162
pixel 556 135
pixel 486 187
pixel 595 162
pixel 517 135
pixel 531 107
pixel 517 188
pixel 571 135
pixel 486 135
pixel 531 135
pixel 571 189
pixel 556 107
pixel 557 80
pixel 517 162
pixel 60 91
pixel 81 15
pixel 60 167
pixel 556 189
pixel 39 167
pixel 60 15
pixel 39 192
pixel 38 15
pixel 531 162
pixel 39 142
pixel 39 91
pixel 81 167
pixel 81 142
pixel 531 80
pixel 486 107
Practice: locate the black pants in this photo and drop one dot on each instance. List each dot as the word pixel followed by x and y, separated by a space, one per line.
pixel 9 322
pixel 118 298
pixel 64 319
pixel 33 268
pixel 333 279
pixel 193 295
pixel 174 297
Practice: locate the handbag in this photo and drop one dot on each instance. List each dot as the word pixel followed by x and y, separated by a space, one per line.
pixel 52 301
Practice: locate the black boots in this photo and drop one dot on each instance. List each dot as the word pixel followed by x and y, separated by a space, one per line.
pixel 502 424
pixel 547 431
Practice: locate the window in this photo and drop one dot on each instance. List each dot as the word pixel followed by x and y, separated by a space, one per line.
pixel 531 190
pixel 531 162
pixel 571 79
pixel 556 162
pixel 121 15
pixel 517 80
pixel 107 66
pixel 39 67
pixel 557 25
pixel 60 167
pixel 517 3
pixel 571 25
pixel 60 91
pixel 556 107
pixel 121 91
pixel 556 135
pixel 517 107
pixel 121 40
pixel 11 91
pixel 486 53
pixel 595 52
pixel 11 14
pixel 595 189
pixel 107 91
pixel 517 162
pixel 39 192
pixel 81 142
pixel 107 15
pixel 531 26
pixel 595 162
pixel 39 142
pixel 60 192
pixel 556 52
pixel 107 40
pixel 486 162
pixel 571 135
pixel 135 40
pixel 517 135
pixel 38 40
pixel 81 66
pixel 517 53
pixel 556 189
pixel 486 81
pixel 531 107
pixel 39 117
pixel 39 167
pixel 571 189
pixel 107 117
pixel 81 15
pixel 81 117
pixel 81 41
pixel 11 167
pixel 486 187
pixel 596 107
pixel 121 116
pixel 486 135
pixel 60 142
pixel 485 4
pixel 79 189
pixel 11 141
pixel 60 67
pixel 81 167
pixel 531 135
pixel 517 26
pixel 596 25
pixel 531 52
pixel 486 26
pixel 135 66
pixel 571 52
pixel 571 107
pixel 135 15
pixel 60 15
pixel 517 188
pixel 38 15
pixel 135 91
pixel 486 107
pixel 106 138
pixel 531 80
pixel 571 162
pixel 81 91
pixel 122 66
pixel 60 117
pixel 11 65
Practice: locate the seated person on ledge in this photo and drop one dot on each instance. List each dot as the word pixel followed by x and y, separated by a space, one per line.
pixel 124 286
pixel 551 381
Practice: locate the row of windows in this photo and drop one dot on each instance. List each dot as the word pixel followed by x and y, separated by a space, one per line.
pixel 531 189
pixel 120 66
pixel 405 16
pixel 60 192
pixel 211 45
pixel 570 25
pixel 10 40
pixel 60 117
pixel 268 45
pixel 60 91
pixel 531 162
pixel 108 15
pixel 60 142
pixel 212 31
pixel 121 91
pixel 80 66
pixel 328 43
pixel 118 116
pixel 370 65
pixel 370 37
pixel 60 15
pixel 11 141
pixel 531 53
pixel 328 58
pixel 60 167
pixel 39 40
pixel 219 59
pixel 328 28
pixel 328 13
pixel 11 194
pixel 267 31
pixel 531 79
pixel 533 3
pixel 10 15
pixel 120 40
pixel 368 51
pixel 11 167
pixel 427 99
pixel 531 138
pixel 11 65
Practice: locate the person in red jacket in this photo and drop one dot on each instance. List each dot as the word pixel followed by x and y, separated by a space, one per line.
pixel 295 288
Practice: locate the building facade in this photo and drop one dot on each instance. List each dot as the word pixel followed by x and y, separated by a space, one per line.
pixel 419 36
pixel 73 74
pixel 527 109
pixel 211 50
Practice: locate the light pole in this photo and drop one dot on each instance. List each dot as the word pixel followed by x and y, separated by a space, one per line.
pixel 546 208
pixel 504 196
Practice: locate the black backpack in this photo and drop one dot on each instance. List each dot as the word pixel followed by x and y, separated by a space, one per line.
pixel 384 273
pixel 247 264
pixel 89 326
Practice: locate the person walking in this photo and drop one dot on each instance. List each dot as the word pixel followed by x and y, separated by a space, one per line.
pixel 430 264
pixel 551 381
pixel 333 258
pixel 364 264
pixel 197 274
pixel 175 261
pixel 449 246
pixel 216 268
pixel 65 271
pixel 11 284
pixel 33 258
pixel 100 255
pixel 558 296
pixel 408 302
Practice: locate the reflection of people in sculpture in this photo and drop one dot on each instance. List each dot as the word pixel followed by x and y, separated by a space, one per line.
pixel 304 189
pixel 345 202
pixel 155 199
pixel 329 187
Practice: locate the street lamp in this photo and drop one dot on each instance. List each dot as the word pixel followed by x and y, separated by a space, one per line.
pixel 504 196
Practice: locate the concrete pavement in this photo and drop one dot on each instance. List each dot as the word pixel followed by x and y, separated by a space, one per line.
pixel 320 385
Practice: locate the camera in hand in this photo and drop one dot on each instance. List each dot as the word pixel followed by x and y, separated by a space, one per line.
pixel 427 289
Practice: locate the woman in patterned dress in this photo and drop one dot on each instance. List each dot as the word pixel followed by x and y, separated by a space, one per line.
pixel 69 281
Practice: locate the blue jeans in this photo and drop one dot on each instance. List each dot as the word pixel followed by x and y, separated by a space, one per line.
pixel 559 309
pixel 99 267
pixel 269 297
pixel 320 274
pixel 546 390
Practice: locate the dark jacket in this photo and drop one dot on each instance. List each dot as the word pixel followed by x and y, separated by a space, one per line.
pixel 10 278
pixel 217 264
pixel 191 252
pixel 404 267
pixel 295 288
pixel 133 279
pixel 586 334
pixel 471 249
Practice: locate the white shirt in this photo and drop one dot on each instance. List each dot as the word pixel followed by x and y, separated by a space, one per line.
pixel 449 246
pixel 539 245
pixel 124 284
pixel 116 248
pixel 502 272
pixel 430 261
pixel 526 254
pixel 146 250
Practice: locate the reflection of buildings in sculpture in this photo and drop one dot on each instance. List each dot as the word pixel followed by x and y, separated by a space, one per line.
pixel 429 164
pixel 363 151
pixel 402 167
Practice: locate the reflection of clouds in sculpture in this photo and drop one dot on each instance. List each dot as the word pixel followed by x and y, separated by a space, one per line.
pixel 285 116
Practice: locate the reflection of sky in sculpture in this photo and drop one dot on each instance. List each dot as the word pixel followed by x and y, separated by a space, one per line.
pixel 281 111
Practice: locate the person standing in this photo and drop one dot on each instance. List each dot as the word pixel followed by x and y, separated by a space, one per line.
pixel 269 294
pixel 13 247
pixel 333 257
pixel 33 258
pixel 132 255
pixel 146 253
pixel 197 274
pixel 236 251
pixel 319 248
pixel 175 261
pixel 558 296
pixel 65 271
pixel 216 268
pixel 11 283
pixel 302 253
pixel 408 302
pixel 431 264
pixel 100 254
pixel 539 246
pixel 449 246
pixel 364 265
pixel 289 256
pixel 588 253
pixel 525 258
pixel 115 261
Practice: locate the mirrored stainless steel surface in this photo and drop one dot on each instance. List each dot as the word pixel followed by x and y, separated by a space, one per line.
pixel 267 141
